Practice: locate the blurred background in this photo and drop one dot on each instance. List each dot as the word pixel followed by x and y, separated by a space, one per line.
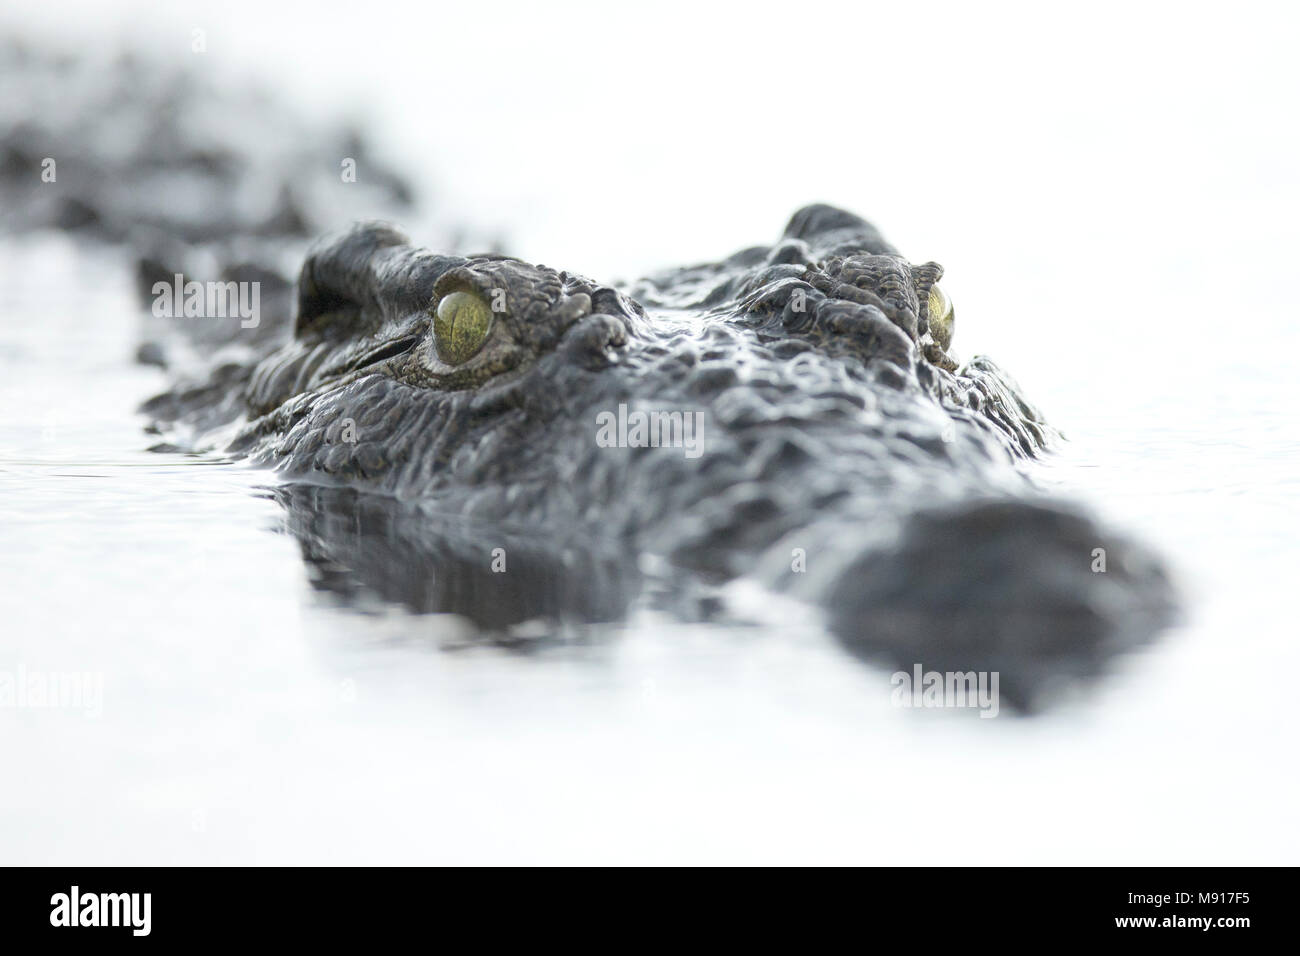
pixel 1112 189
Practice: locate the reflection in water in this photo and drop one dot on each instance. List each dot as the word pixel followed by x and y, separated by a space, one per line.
pixel 361 547
pixel 912 601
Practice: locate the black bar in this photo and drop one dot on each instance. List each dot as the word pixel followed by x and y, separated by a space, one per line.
pixel 233 905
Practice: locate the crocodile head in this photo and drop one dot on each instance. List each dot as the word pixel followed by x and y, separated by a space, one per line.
pixel 475 379
pixel 793 413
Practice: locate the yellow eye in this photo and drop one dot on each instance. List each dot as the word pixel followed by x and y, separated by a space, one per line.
pixel 941 317
pixel 461 326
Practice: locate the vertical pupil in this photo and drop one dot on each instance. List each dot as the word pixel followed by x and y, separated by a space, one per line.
pixel 460 326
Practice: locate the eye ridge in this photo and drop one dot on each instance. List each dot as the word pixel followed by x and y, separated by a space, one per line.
pixel 461 325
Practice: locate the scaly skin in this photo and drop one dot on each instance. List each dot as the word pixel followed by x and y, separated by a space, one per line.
pixel 847 458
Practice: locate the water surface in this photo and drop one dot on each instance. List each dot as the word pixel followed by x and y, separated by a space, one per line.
pixel 247 716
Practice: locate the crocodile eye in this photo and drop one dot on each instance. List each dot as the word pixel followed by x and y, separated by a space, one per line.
pixel 461 326
pixel 941 316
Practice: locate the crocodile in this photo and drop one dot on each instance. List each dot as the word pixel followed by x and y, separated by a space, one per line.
pixel 794 414
pixel 845 456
